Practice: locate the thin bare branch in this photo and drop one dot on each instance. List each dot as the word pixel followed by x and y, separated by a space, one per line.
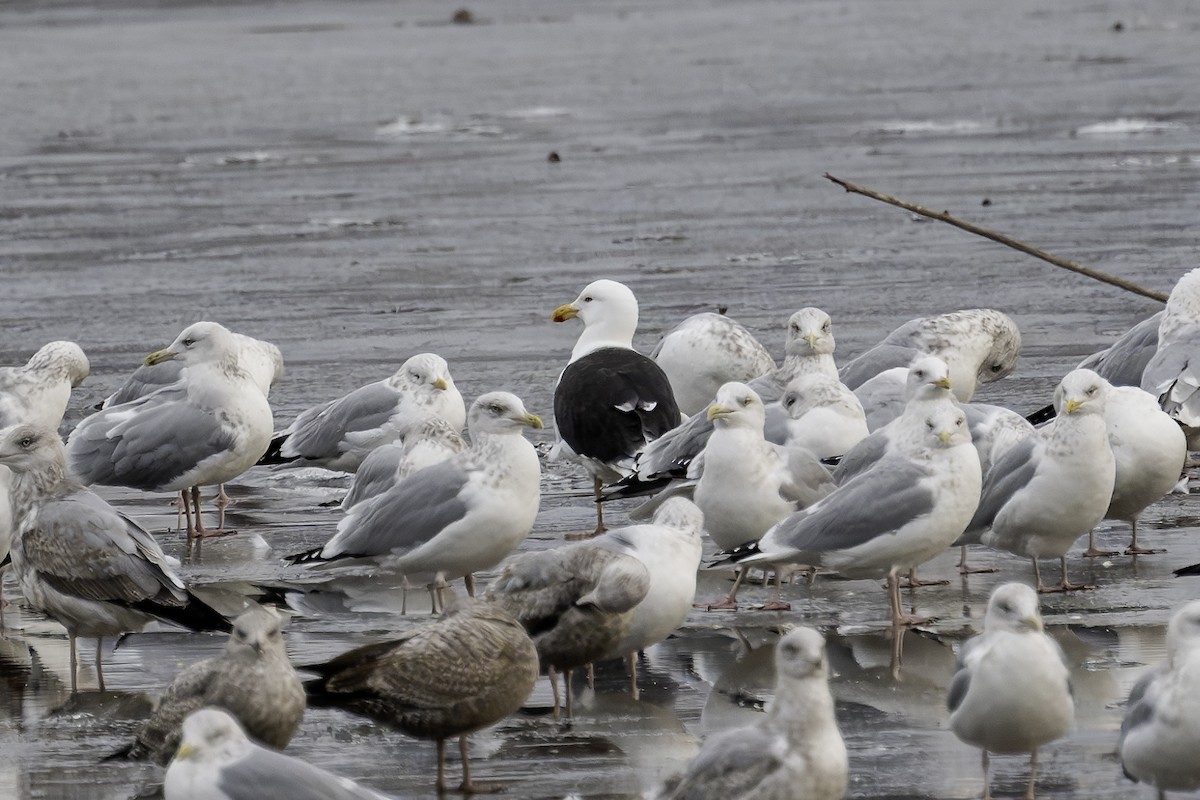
pixel 943 216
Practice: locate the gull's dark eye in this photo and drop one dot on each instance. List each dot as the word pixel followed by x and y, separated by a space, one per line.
pixel 746 401
pixel 188 342
pixel 996 367
pixel 795 328
pixel 26 442
pixel 825 327
pixel 1004 606
pixel 789 401
pixel 587 299
pixel 496 408
pixel 929 424
pixel 1092 390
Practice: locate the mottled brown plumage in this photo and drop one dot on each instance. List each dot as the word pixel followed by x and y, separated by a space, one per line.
pixel 467 670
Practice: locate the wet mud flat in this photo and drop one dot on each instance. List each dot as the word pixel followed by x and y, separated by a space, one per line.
pixel 361 181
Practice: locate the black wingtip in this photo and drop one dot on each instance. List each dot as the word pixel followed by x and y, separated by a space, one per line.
pixel 307 557
pixel 735 555
pixel 124 754
pixel 1191 569
pixel 197 615
pixel 273 454
pixel 1044 414
pixel 634 486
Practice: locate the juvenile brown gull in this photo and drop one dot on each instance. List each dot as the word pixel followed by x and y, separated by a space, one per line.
pixel 217 761
pixel 252 680
pixel 704 352
pixel 456 517
pixel 38 392
pixel 576 601
pixel 891 518
pixel 1047 491
pixel 339 434
pixel 611 400
pixel 795 751
pixel 204 430
pixel 469 669
pixel 82 562
pixel 1160 734
pixel 1012 691
pixel 979 345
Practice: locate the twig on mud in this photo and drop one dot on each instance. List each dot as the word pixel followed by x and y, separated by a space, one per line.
pixel 943 216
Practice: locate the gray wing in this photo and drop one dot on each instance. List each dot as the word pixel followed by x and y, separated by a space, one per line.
pixel 267 775
pixel 406 516
pixel 81 546
pixel 729 764
pixel 882 356
pixel 1124 362
pixel 1008 475
pixel 776 429
pixel 375 475
pixel 1139 709
pixel 148 443
pixel 1173 376
pixel 145 380
pixel 959 685
pixel 873 504
pixel 675 449
pixel 861 457
pixel 318 432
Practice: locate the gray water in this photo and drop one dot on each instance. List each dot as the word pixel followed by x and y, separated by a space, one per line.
pixel 360 181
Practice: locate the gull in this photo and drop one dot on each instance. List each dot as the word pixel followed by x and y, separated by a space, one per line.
pixel 429 442
pixel 217 761
pixel 469 669
pixel 1012 690
pixel 809 350
pixel 704 352
pixel 206 429
pixel 456 517
pixel 669 547
pixel 38 392
pixel 82 562
pixel 889 519
pixel 611 400
pixel 746 485
pixel 1160 734
pixel 1169 374
pixel 262 360
pixel 823 416
pixel 252 680
pixel 575 601
pixel 980 345
pixel 339 434
pixel 1047 491
pixel 795 751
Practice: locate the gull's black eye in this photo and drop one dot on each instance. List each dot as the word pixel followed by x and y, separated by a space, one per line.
pixel 825 327
pixel 188 342
pixel 1092 390
pixel 26 442
pixel 795 328
pixel 495 408
pixel 929 424
pixel 746 401
pixel 587 299
pixel 996 367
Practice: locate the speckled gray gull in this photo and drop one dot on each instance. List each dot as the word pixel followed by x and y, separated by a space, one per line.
pixel 469 669
pixel 809 350
pixel 889 519
pixel 822 416
pixel 339 434
pixel 704 352
pixel 576 601
pixel 1149 449
pixel 610 400
pixel 796 750
pixel 1012 691
pixel 203 430
pixel 263 360
pixel 252 680
pixel 1160 734
pixel 38 391
pixel 979 345
pixel 217 761
pixel 80 561
pixel 429 442
pixel 1047 491
pixel 747 484
pixel 1172 374
pixel 456 517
